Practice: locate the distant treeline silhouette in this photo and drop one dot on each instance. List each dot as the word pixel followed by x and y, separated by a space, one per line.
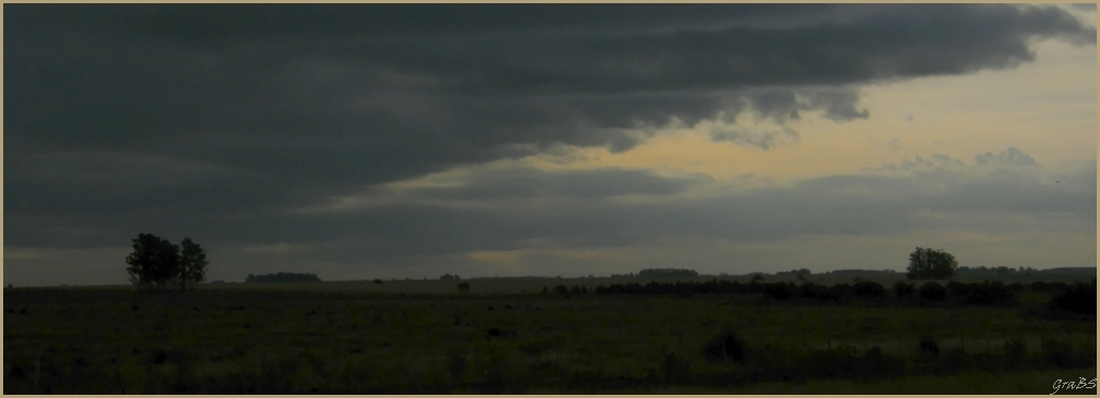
pixel 667 273
pixel 282 277
pixel 1072 298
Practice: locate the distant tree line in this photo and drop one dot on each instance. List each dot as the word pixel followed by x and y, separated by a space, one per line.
pixel 282 277
pixel 1076 299
pixel 667 273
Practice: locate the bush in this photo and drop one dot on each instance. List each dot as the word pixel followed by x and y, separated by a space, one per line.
pixel 841 291
pixel 725 347
pixel 932 291
pixel 868 289
pixel 779 291
pixel 991 293
pixel 561 290
pixel 1080 300
pixel 464 287
pixel 902 289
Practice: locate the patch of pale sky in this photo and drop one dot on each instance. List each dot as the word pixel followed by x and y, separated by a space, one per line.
pixel 1046 108
pixel 820 253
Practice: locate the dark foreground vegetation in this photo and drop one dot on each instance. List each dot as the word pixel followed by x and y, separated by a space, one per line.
pixel 658 337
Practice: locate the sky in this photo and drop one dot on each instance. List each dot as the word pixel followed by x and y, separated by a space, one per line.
pixel 407 141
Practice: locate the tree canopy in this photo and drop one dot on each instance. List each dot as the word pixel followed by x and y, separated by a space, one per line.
pixel 931 264
pixel 157 263
pixel 192 264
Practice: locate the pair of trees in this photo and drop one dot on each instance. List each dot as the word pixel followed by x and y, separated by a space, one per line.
pixel 157 263
pixel 931 264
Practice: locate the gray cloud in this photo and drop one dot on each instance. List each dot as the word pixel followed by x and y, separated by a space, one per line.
pixel 760 139
pixel 531 209
pixel 531 183
pixel 1009 157
pixel 214 120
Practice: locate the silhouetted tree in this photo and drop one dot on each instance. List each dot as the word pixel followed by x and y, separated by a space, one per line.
pixel 931 264
pixel 192 264
pixel 154 262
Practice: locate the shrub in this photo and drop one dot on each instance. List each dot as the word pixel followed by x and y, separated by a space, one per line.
pixel 779 291
pixel 841 291
pixel 932 291
pixel 988 293
pixel 1080 300
pixel 902 289
pixel 868 289
pixel 725 347
pixel 561 290
pixel 464 287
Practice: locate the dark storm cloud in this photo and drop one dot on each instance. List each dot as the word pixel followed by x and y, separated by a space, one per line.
pixel 215 119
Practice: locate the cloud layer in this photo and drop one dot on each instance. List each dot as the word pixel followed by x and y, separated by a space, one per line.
pixel 225 121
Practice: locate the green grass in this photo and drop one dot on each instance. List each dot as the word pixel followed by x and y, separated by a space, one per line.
pixel 360 338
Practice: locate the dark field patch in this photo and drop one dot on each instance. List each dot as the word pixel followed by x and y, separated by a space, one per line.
pixel 286 341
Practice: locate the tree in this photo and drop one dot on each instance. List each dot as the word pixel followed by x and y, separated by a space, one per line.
pixel 192 264
pixel 931 264
pixel 154 262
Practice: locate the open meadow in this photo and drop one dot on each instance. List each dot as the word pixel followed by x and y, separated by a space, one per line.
pixel 507 335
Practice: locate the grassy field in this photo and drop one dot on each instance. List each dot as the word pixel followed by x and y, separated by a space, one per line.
pixel 424 337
